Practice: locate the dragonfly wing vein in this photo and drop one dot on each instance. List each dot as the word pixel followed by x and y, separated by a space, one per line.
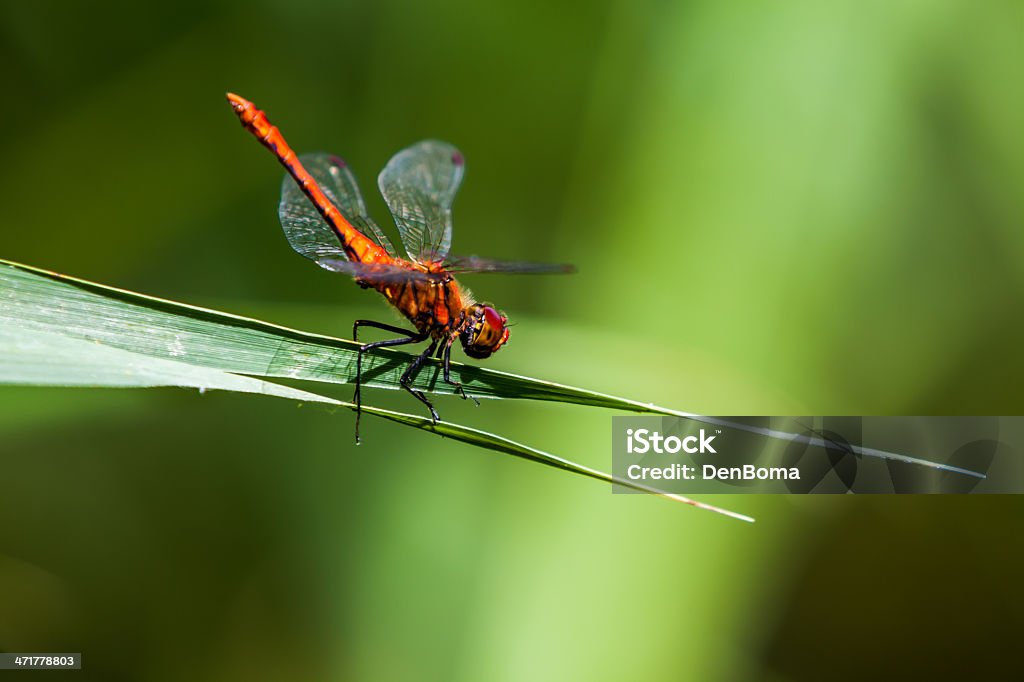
pixel 306 230
pixel 419 185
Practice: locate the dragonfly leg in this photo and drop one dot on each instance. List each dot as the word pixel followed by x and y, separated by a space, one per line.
pixel 446 360
pixel 410 373
pixel 378 325
pixel 411 338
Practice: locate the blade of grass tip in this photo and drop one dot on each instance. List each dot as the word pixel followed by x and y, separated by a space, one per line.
pixel 595 398
pixel 818 441
pixel 499 443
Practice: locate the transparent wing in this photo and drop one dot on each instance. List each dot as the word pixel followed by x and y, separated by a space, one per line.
pixel 459 264
pixel 305 229
pixel 383 273
pixel 419 185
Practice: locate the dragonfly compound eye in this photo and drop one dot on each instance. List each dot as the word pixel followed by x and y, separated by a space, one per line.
pixel 485 332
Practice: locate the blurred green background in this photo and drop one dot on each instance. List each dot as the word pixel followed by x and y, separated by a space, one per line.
pixel 789 208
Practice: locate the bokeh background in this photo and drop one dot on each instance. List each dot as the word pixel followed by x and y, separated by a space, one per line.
pixel 781 208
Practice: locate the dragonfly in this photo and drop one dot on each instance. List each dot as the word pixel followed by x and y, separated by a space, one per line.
pixel 325 219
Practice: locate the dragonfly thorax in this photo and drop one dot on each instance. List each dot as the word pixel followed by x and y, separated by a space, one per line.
pixel 484 332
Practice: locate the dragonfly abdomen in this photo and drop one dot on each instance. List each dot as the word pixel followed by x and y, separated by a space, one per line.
pixel 357 246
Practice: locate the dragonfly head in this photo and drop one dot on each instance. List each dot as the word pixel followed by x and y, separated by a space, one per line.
pixel 485 331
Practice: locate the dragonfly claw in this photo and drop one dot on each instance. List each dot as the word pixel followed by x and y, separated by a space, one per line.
pixel 466 396
pixel 462 392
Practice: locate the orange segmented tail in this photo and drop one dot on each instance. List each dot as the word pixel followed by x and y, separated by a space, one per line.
pixel 357 246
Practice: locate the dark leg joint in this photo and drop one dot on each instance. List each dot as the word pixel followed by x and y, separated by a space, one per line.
pixel 446 373
pixel 410 374
pixel 415 337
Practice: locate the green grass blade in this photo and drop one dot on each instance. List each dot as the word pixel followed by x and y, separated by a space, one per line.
pixel 40 300
pixel 39 358
pixel 510 447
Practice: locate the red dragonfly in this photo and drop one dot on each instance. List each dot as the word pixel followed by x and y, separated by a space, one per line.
pixel 325 220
